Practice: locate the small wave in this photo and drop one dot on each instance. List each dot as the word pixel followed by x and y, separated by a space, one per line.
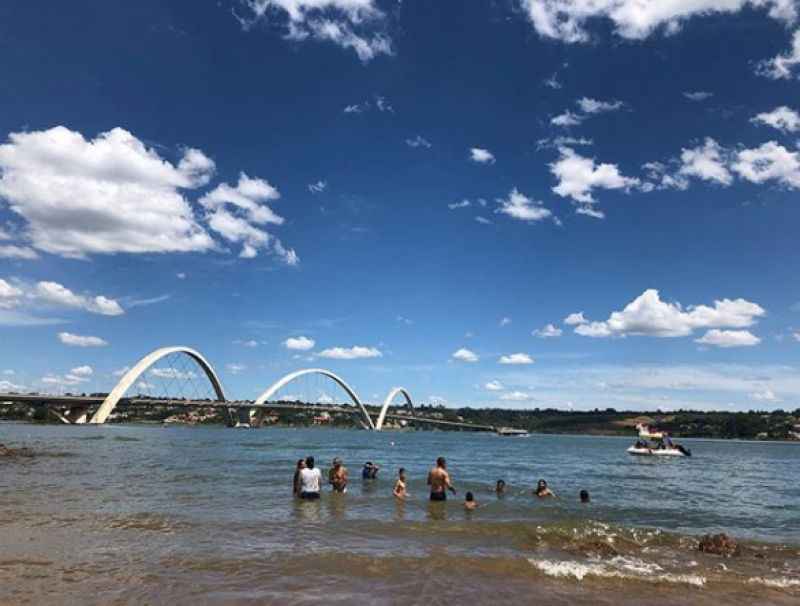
pixel 87 438
pixel 125 439
pixel 777 583
pixel 617 568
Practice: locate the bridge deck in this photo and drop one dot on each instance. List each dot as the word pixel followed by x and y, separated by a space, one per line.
pixel 90 400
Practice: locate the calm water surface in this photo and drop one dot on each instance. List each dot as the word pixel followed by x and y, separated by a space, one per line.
pixel 144 514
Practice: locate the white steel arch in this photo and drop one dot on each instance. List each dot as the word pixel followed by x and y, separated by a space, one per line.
pixel 388 401
pixel 141 367
pixel 273 389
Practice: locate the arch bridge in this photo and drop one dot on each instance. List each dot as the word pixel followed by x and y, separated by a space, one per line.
pixel 257 408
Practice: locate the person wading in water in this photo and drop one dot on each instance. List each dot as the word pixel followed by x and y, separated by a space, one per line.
pixel 439 481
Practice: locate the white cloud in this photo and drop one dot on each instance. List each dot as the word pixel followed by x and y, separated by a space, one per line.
pixel 516 358
pixel 483 220
pixel 318 187
pixel 578 176
pixel 783 118
pixel 465 355
pixel 68 338
pixel 354 108
pixel 549 331
pixel 106 195
pixel 552 82
pixel 764 395
pixel 594 106
pixel 728 338
pixel 121 371
pixel 796 336
pixel 648 315
pixel 505 321
pixel 382 105
pixel 180 276
pixel 562 141
pixel 566 119
pixel 575 318
pixel 349 24
pixel 705 162
pixel 419 141
pixel 770 161
pixel 300 343
pixel 481 156
pixel 12 251
pixel 235 369
pixel 516 396
pixel 9 295
pixel 519 206
pixel 462 204
pixel 9 387
pixel 781 66
pixel 351 353
pixel 699 95
pixel 235 213
pixel 251 343
pixel 172 373
pixel 82 371
pixel 56 294
pixel 494 386
pixel 566 20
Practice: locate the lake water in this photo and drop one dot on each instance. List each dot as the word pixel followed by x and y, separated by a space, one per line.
pixel 186 515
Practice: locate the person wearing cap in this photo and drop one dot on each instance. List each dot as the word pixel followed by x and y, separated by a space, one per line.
pixel 337 477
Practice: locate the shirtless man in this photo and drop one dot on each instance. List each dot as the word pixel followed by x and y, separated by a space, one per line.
pixel 400 490
pixel 338 476
pixel 439 481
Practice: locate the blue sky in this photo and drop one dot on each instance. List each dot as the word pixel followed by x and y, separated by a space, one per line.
pixel 413 195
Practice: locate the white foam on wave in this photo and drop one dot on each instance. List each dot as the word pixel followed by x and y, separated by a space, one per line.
pixel 618 568
pixel 778 583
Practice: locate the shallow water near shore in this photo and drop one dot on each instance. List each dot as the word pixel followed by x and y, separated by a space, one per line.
pixel 144 514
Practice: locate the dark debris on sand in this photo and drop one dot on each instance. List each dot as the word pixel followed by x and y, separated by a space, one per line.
pixel 719 544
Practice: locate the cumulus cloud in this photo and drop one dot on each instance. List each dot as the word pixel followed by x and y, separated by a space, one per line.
pixel 172 373
pixel 300 343
pixel 235 369
pixel 781 67
pixel 318 187
pixel 9 295
pixel 782 118
pixel 82 371
pixel 505 321
pixel 56 294
pixel 519 206
pixel 110 194
pixel 594 106
pixel 699 95
pixel 516 396
pixel 566 119
pixel 648 315
pixel 566 20
pixel 68 338
pixel 238 214
pixel 419 141
pixel 481 156
pixel 465 355
pixel 764 395
pixel 769 162
pixel 728 338
pixel 351 353
pixel 574 319
pixel 578 176
pixel 11 251
pixel 494 386
pixel 457 205
pixel 563 141
pixel 516 358
pixel 350 24
pixel 705 162
pixel 548 332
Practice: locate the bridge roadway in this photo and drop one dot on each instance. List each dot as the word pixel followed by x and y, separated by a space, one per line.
pixel 89 400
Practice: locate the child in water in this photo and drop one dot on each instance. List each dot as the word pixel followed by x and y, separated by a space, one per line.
pixel 469 502
pixel 542 491
pixel 400 485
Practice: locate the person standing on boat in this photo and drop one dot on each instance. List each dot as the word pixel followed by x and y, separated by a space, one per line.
pixel 439 481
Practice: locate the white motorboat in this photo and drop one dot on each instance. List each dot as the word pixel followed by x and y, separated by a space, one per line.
pixel 511 432
pixel 647 451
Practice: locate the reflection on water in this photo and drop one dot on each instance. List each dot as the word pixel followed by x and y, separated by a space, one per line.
pixel 181 515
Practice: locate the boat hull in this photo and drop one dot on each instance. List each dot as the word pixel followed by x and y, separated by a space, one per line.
pixel 652 452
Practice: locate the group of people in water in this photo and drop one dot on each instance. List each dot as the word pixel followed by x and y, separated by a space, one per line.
pixel 308 482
